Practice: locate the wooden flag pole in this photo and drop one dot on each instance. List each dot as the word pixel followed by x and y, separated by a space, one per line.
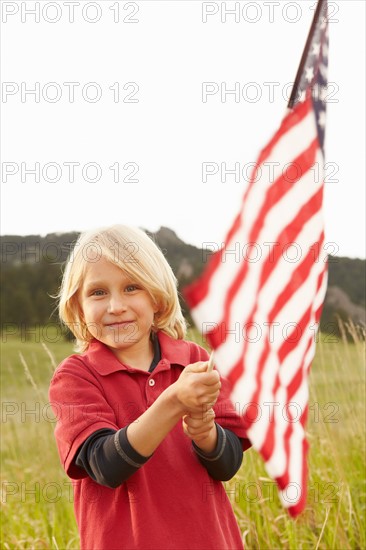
pixel 211 362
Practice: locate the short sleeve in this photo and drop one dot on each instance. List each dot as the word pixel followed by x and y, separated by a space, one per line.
pixel 79 404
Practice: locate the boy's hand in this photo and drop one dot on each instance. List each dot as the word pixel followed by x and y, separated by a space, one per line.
pixel 197 390
pixel 201 429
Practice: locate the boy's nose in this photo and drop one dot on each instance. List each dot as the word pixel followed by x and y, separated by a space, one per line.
pixel 116 304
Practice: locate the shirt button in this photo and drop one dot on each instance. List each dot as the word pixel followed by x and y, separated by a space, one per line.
pixel 151 382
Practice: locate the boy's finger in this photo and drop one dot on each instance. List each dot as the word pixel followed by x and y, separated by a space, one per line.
pixel 199 420
pixel 202 414
pixel 210 379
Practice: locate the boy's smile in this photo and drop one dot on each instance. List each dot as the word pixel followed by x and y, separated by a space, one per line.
pixel 118 312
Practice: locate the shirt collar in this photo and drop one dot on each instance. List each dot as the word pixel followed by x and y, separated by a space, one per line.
pixel 101 358
pixel 157 354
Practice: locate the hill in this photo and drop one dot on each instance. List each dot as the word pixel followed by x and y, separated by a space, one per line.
pixel 32 268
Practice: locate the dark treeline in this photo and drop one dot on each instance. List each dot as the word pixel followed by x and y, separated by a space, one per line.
pixel 32 270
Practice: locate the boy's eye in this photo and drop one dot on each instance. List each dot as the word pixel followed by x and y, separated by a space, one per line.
pixel 97 292
pixel 131 288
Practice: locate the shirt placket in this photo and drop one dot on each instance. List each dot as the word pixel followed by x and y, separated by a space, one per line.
pixel 154 383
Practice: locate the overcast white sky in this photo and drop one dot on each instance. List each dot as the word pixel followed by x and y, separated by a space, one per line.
pixel 136 104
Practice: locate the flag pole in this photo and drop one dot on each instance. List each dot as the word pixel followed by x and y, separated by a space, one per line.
pixel 305 54
pixel 210 362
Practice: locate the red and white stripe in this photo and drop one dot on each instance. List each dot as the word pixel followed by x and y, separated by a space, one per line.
pixel 267 295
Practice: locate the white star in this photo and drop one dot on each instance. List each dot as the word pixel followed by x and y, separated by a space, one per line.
pixel 323 93
pixel 325 51
pixel 316 49
pixel 323 24
pixel 302 96
pixel 309 74
pixel 321 119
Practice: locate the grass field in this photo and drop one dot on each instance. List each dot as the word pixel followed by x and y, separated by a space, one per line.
pixel 37 504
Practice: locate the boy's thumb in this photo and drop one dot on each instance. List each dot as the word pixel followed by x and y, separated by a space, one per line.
pixel 200 366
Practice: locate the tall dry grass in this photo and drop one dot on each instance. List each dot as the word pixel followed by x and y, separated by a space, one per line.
pixel 37 503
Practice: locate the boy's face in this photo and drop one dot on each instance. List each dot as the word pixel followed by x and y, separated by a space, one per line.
pixel 117 310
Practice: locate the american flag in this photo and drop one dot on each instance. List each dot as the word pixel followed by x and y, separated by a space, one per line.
pixel 260 313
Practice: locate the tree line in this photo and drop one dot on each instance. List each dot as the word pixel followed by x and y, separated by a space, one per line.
pixel 32 270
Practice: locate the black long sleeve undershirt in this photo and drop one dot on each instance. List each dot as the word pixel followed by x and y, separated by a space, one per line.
pixel 225 460
pixel 109 459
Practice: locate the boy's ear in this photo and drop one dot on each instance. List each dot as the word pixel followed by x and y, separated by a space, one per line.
pixel 155 306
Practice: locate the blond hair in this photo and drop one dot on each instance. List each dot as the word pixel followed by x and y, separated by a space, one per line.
pixel 135 253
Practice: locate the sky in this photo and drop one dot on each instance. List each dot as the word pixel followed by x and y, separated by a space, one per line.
pixel 123 113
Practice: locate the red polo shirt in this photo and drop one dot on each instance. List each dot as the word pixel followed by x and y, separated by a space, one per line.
pixel 171 503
